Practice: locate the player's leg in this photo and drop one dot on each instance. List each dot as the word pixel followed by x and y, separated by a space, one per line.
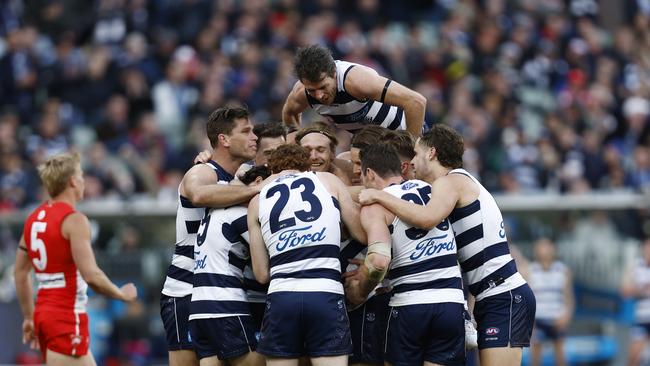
pixel 182 357
pixel 275 361
pixel 330 361
pixel 501 356
pixel 249 359
pixel 211 361
pixel 444 340
pixel 536 352
pixel 59 359
pixel 558 348
pixel 634 351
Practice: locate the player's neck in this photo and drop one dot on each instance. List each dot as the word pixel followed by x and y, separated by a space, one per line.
pixel 67 196
pixel 439 171
pixel 383 183
pixel 226 161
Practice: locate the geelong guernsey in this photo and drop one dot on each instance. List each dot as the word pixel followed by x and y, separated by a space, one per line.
pixel 300 224
pixel 188 219
pixel 350 113
pixel 424 268
pixel 483 249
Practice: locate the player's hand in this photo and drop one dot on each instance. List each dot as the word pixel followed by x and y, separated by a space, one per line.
pixel 29 334
pixel 353 274
pixel 129 292
pixel 368 196
pixel 203 157
pixel 353 292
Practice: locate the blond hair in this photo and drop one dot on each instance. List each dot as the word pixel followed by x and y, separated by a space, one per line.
pixel 56 171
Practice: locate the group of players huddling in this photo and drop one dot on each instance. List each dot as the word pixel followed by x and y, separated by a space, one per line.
pixel 287 255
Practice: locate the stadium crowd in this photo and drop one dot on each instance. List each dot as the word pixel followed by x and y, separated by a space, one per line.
pixel 545 98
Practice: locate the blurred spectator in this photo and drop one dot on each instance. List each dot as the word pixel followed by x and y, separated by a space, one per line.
pixel 536 88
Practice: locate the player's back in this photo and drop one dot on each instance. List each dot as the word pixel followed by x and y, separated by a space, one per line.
pixel 482 245
pixel 424 269
pixel 300 223
pixel 60 285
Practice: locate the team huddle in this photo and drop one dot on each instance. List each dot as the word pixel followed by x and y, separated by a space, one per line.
pixel 287 255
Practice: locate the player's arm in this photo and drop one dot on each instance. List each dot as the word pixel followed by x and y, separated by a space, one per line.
pixel 295 104
pixel 364 82
pixel 200 187
pixel 349 209
pixel 444 196
pixel 25 293
pixel 374 220
pixel 259 254
pixel 76 229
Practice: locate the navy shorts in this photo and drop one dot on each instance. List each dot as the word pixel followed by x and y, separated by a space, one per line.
pixel 506 319
pixel 426 332
pixel 368 329
pixel 226 338
pixel 546 331
pixel 175 312
pixel 313 324
pixel 257 311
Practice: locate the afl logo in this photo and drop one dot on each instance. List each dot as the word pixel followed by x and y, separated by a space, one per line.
pixel 492 331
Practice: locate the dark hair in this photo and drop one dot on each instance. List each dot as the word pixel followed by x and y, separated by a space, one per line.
pixel 402 141
pixel 448 143
pixel 254 172
pixel 368 135
pixel 289 157
pixel 222 121
pixel 312 61
pixel 270 130
pixel 319 127
pixel 382 158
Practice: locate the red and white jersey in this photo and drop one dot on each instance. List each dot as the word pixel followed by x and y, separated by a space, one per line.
pixel 60 285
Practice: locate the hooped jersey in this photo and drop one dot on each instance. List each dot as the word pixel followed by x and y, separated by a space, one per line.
pixel 482 245
pixel 60 285
pixel 220 255
pixel 300 224
pixel 350 113
pixel 424 268
pixel 548 287
pixel 188 219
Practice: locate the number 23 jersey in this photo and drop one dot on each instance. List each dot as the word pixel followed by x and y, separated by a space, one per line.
pixel 300 223
pixel 60 285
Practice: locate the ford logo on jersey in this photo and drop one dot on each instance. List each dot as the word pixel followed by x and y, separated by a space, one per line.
pixel 295 237
pixel 429 247
pixel 408 185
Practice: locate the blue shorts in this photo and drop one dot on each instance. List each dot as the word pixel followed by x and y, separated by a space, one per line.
pixel 226 338
pixel 426 332
pixel 257 312
pixel 368 329
pixel 175 312
pixel 546 331
pixel 313 324
pixel 506 319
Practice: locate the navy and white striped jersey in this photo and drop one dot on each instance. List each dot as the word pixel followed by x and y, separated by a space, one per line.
pixel 548 287
pixel 220 256
pixel 641 278
pixel 188 219
pixel 350 113
pixel 300 226
pixel 424 268
pixel 482 245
